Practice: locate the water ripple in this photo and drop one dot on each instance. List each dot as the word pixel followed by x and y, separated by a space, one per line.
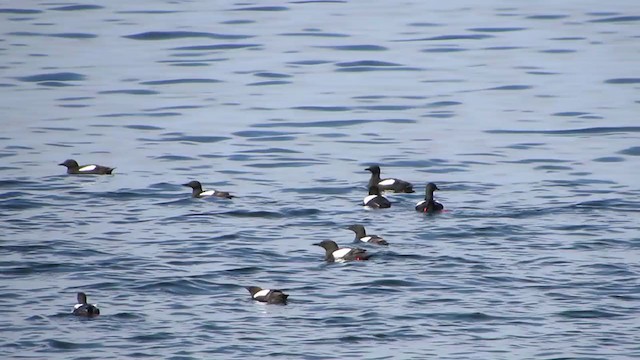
pixel 170 35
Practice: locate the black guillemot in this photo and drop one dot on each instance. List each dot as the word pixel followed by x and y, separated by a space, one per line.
pixel 197 192
pixel 269 296
pixel 375 200
pixel 361 235
pixel 389 184
pixel 334 253
pixel 428 205
pixel 91 169
pixel 82 308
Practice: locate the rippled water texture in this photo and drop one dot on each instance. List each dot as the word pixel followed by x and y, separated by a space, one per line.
pixel 525 114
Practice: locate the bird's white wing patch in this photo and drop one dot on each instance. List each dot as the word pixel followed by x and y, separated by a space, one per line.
pixel 365 238
pixel 368 198
pixel 76 306
pixel 421 202
pixel 263 292
pixel 387 182
pixel 340 253
pixel 88 168
pixel 207 193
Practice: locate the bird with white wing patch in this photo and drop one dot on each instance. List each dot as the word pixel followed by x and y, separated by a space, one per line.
pixel 389 184
pixel 334 253
pixel 91 169
pixel 361 235
pixel 375 200
pixel 269 296
pixel 82 308
pixel 198 192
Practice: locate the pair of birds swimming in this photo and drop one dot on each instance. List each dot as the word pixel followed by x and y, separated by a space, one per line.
pixel 74 168
pixel 377 185
pixel 84 309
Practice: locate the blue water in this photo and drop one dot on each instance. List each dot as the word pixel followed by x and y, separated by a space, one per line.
pixel 525 113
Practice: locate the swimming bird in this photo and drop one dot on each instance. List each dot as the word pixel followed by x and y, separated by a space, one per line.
pixel 361 235
pixel 389 184
pixel 375 200
pixel 335 253
pixel 428 205
pixel 82 308
pixel 93 169
pixel 198 192
pixel 267 295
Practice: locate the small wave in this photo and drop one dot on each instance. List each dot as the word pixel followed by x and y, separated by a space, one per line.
pixel 623 81
pixel 173 157
pixel 181 81
pixel 191 138
pixel 262 8
pixel 309 62
pixel 56 77
pixel 499 48
pixel 391 283
pixel 155 337
pixel 376 68
pixel 316 34
pixel 594 130
pixel 558 51
pixel 497 29
pixel 244 270
pixel 77 8
pixel 547 17
pixel 272 75
pixel 609 159
pixel 444 103
pixel 143 127
pixel 323 108
pixel 129 92
pixel 453 37
pixel 261 133
pixel 588 314
pixel 634 151
pixel 616 19
pixel 65 345
pixel 20 11
pixel 355 47
pixel 125 316
pixel 60 35
pixel 467 317
pixel 269 83
pixel 444 49
pixel 217 47
pixel 169 35
pixel 511 87
pixel 366 63
pixel 133 115
pixel 29 268
pixel 178 286
pixel 570 113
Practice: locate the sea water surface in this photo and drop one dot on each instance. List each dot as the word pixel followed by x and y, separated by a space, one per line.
pixel 524 113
